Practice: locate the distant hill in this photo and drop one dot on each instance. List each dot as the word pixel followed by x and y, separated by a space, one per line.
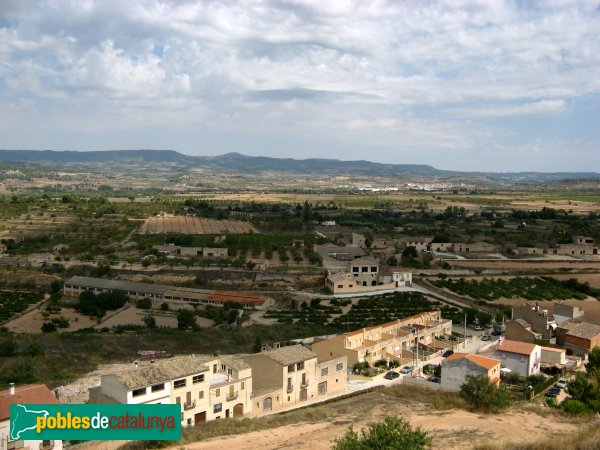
pixel 238 163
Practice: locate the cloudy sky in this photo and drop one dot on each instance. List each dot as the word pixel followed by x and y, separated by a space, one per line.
pixel 469 85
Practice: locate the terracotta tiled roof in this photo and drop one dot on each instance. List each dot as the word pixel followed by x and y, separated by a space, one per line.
pixel 522 348
pixel 483 361
pixel 32 393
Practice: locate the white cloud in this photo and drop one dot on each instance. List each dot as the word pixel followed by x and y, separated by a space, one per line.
pixel 319 69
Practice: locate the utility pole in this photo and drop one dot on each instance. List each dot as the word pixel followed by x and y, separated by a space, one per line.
pixel 465 333
pixel 418 352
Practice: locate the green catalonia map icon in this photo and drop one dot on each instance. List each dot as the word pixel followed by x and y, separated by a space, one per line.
pixel 24 419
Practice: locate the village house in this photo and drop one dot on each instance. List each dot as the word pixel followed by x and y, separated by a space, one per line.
pixel 390 341
pixel 23 395
pixel 537 320
pixel 160 293
pixel 475 247
pixel 292 375
pixel 420 243
pixel 358 240
pixel 202 252
pixel 206 387
pixel 457 367
pixel 578 336
pixel 520 357
pixel 520 330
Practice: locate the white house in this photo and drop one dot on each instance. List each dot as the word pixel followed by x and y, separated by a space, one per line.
pixel 521 357
pixel 29 394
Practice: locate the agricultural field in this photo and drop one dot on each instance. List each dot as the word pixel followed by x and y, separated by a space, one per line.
pixel 528 288
pixel 345 314
pixel 15 302
pixel 194 225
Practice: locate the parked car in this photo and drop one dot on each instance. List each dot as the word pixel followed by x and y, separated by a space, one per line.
pixel 434 379
pixel 407 369
pixel 391 375
pixel 562 384
pixel 477 327
pixel 447 353
pixel 486 337
pixel 496 333
pixel 553 392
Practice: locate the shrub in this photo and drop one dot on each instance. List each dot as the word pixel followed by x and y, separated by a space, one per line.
pixel 48 327
pixel 8 347
pixel 575 407
pixel 164 306
pixel 143 303
pixel 481 395
pixel 393 432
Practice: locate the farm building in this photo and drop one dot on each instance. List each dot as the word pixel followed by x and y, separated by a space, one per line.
pixel 156 292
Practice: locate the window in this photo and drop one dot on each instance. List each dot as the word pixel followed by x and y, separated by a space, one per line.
pixel 222 366
pixel 218 392
pixel 300 366
pixel 340 286
pixel 364 269
pixel 218 408
pixel 178 401
pixel 179 383
pixel 324 371
pixel 201 395
pixel 339 366
pixel 158 387
pixel 197 379
pixel 373 269
pixel 138 392
pixel 355 269
pixel 291 368
pixel 242 386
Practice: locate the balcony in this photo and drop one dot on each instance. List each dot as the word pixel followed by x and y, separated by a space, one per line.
pixel 290 388
pixel 189 405
pixel 304 384
pixel 231 397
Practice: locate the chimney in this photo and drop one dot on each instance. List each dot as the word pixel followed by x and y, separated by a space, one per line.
pixel 11 389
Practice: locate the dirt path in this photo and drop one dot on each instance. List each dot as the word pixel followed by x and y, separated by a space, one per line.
pixel 454 429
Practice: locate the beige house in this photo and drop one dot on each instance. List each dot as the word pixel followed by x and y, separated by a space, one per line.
pixel 349 283
pixel 521 330
pixel 203 252
pixel 420 243
pixel 554 356
pixel 392 340
pixel 292 375
pixel 535 251
pixel 206 387
pixel 475 247
pixel 358 240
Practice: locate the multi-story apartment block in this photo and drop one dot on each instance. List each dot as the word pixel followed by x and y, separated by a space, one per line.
pixel 392 340
pixel 206 387
pixel 292 375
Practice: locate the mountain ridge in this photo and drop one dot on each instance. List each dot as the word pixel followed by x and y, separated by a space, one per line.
pixel 238 162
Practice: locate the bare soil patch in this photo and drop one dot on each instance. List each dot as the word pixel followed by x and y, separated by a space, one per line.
pixel 194 225
pixel 135 316
pixel 31 322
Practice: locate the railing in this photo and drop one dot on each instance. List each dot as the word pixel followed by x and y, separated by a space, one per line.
pixel 304 384
pixel 231 397
pixel 290 388
pixel 189 405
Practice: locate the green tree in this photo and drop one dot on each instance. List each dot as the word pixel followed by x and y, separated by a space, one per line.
pixel 392 261
pixel 481 395
pixel 392 433
pixel 150 322
pixel 593 363
pixel 143 303
pixel 257 345
pixel 56 286
pixel 164 306
pixel 186 319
